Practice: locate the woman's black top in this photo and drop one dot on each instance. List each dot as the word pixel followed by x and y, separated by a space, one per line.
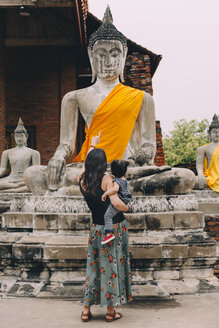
pixel 98 207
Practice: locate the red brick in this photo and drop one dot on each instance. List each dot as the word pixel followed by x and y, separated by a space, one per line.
pixel 213 223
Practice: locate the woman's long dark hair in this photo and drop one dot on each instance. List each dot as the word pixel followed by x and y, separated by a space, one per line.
pixel 95 167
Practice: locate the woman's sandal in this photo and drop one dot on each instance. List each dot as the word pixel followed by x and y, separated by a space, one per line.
pixel 85 317
pixel 113 316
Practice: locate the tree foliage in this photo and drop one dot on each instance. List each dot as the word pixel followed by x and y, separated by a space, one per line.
pixel 181 144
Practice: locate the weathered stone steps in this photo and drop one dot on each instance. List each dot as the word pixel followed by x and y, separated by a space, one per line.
pixel 163 262
pixel 73 222
pixel 44 254
pixel 46 247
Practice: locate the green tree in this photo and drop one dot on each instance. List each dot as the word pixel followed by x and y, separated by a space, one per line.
pixel 181 144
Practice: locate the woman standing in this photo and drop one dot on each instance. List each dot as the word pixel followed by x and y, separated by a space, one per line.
pixel 108 266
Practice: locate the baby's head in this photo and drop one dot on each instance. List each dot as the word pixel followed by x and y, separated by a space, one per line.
pixel 119 167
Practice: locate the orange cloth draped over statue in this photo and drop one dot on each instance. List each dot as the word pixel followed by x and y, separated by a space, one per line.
pixel 115 118
pixel 212 173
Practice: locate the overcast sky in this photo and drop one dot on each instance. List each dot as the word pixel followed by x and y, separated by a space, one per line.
pixel 186 34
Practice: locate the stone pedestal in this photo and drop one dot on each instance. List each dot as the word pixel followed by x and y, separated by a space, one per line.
pixel 208 201
pixel 6 200
pixel 43 249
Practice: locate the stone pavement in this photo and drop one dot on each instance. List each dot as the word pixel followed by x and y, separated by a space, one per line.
pixel 185 311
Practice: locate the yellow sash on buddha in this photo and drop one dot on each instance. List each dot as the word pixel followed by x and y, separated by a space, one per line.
pixel 115 118
pixel 212 173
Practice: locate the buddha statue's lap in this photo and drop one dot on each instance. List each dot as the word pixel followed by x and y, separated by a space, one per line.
pixel 107 53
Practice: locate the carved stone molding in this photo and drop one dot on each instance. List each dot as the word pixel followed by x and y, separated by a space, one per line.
pixel 76 204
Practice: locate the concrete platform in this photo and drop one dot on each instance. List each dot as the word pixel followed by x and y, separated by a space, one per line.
pixel 192 311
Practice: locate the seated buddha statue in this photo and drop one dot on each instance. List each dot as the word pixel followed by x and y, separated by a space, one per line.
pixel 125 117
pixel 19 158
pixel 207 161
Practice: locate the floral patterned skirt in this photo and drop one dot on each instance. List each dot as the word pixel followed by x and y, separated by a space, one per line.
pixel 108 274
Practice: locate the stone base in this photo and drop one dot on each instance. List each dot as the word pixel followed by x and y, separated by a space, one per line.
pixel 206 195
pixel 6 201
pixel 43 254
pixel 76 204
pixel 7 198
pixel 164 289
pixel 73 223
pixel 208 201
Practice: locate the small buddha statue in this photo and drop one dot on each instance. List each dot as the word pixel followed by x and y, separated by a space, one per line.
pixel 207 161
pixel 20 158
pixel 125 117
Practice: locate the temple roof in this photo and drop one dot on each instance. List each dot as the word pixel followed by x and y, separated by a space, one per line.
pixel 86 22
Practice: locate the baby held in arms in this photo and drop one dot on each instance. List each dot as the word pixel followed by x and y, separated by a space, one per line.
pixel 120 186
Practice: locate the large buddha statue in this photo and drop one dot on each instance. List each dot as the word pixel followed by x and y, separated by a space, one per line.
pixel 207 162
pixel 125 117
pixel 20 158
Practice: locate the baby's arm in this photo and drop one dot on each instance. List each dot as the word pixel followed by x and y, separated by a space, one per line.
pixel 111 191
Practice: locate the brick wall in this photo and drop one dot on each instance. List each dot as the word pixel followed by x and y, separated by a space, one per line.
pixel 67 71
pixel 137 75
pixel 159 157
pixel 212 228
pixel 36 79
pixel 137 72
pixel 2 89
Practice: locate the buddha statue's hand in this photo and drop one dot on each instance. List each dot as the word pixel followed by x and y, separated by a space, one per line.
pixel 144 156
pixel 201 181
pixel 55 170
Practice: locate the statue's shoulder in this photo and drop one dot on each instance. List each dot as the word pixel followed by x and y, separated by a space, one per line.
pixel 72 95
pixel 75 95
pixel 148 101
pixel 6 152
pixel 34 151
pixel 203 148
pixel 147 95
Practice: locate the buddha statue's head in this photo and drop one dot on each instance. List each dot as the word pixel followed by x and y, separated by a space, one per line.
pixel 214 129
pixel 20 134
pixel 107 50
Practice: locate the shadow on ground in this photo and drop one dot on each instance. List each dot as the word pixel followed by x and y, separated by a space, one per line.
pixel 152 304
